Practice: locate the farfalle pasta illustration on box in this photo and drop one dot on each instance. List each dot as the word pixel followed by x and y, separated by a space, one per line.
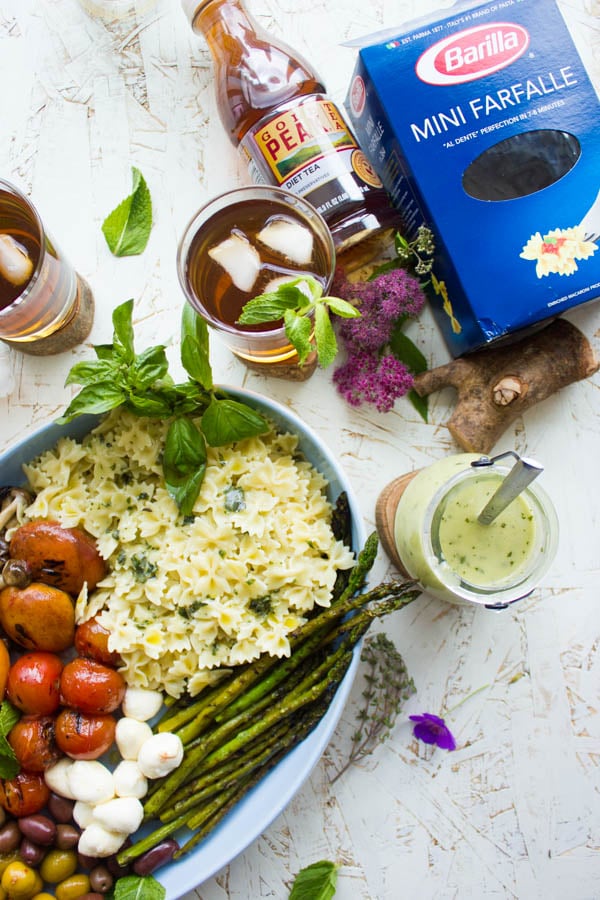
pixel 558 251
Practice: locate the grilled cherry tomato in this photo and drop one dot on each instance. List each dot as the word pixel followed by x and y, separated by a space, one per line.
pixel 38 617
pixel 63 557
pixel 83 736
pixel 91 640
pixel 4 667
pixel 33 740
pixel 34 683
pixel 25 794
pixel 91 687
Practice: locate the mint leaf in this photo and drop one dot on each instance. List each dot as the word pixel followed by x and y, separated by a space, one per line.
pixel 315 882
pixel 324 336
pixel 9 716
pixel 137 887
pixel 127 228
pixel 342 308
pixel 269 307
pixel 298 329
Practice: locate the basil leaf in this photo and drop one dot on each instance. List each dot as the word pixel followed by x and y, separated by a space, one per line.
pixel 94 398
pixel 298 329
pixel 127 228
pixel 9 716
pixel 194 326
pixel 150 403
pixel 184 463
pixel 315 882
pixel 195 362
pixel 324 336
pixel 149 367
pixel 92 372
pixel 138 887
pixel 189 398
pixel 122 319
pixel 195 355
pixel 104 351
pixel 227 420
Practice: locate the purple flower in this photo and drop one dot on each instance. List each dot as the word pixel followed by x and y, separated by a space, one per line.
pixel 372 374
pixel 433 730
pixel 381 303
pixel 371 379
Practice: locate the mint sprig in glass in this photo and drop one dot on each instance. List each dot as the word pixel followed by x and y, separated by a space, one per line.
pixel 306 315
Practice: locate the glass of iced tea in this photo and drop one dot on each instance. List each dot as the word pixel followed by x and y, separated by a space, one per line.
pixel 45 306
pixel 244 243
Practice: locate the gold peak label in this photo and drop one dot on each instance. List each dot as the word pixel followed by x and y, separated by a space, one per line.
pixel 295 139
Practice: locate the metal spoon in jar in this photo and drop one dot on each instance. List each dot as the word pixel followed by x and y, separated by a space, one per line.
pixel 520 476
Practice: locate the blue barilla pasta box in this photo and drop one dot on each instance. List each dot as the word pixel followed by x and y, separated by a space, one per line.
pixel 484 124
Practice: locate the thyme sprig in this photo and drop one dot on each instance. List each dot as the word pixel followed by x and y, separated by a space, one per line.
pixel 388 686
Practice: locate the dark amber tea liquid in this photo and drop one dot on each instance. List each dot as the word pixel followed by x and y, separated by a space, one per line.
pixel 208 281
pixel 48 299
pixel 16 222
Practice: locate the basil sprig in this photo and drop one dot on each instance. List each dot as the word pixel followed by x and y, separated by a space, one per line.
pixel 198 413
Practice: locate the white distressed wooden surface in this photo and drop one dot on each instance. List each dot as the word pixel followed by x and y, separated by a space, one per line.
pixel 515 811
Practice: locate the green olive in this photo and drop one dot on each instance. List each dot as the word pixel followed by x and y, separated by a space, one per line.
pixel 58 865
pixel 73 887
pixel 20 881
pixel 6 858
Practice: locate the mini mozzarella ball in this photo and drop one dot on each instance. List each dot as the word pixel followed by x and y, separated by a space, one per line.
pixel 123 814
pixel 129 780
pixel 130 734
pixel 57 778
pixel 83 813
pixel 141 703
pixel 97 841
pixel 160 754
pixel 91 781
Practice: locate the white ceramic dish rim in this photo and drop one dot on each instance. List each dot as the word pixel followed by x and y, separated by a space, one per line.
pixel 255 812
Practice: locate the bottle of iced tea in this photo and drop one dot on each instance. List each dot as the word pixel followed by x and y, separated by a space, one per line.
pixel 275 109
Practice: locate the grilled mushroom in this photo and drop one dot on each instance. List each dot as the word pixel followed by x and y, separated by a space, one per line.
pixel 13 501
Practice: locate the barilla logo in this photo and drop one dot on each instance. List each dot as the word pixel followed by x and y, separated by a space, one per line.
pixel 473 53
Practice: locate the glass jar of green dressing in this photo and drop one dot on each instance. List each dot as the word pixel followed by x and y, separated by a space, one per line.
pixel 454 557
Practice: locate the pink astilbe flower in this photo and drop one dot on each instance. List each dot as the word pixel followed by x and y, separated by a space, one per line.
pixel 367 378
pixel 371 374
